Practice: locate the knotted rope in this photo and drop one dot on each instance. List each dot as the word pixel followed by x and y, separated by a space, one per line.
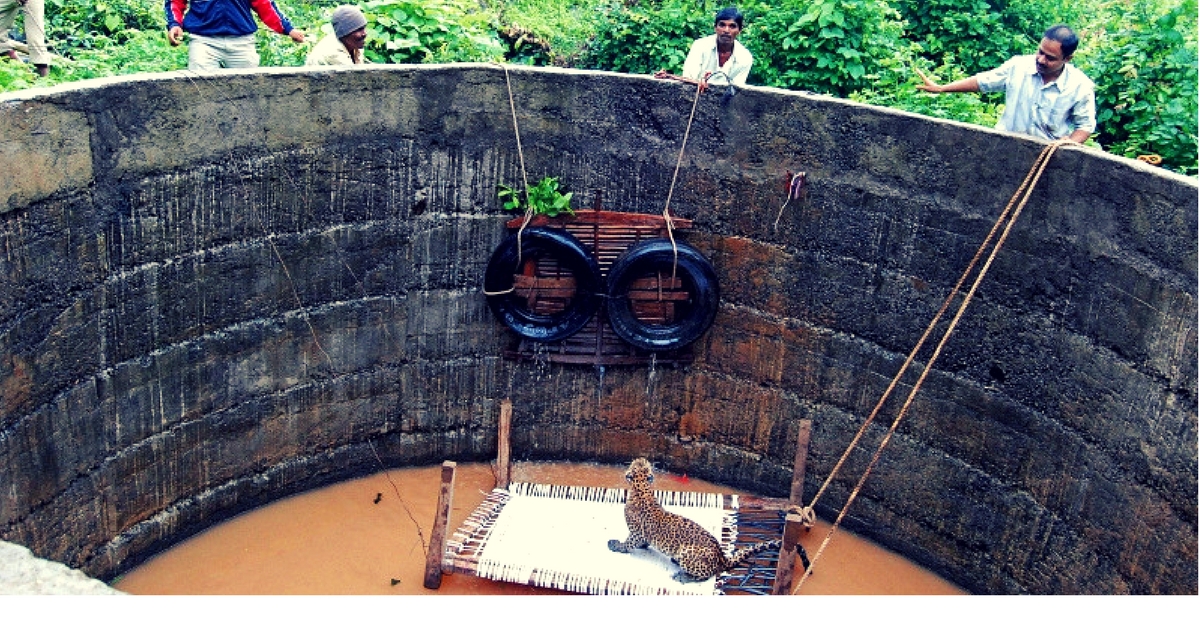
pixel 1005 221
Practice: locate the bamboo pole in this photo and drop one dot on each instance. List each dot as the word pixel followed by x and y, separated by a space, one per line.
pixel 441 520
pixel 793 523
pixel 504 446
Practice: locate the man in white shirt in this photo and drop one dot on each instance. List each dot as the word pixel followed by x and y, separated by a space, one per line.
pixel 1045 96
pixel 719 59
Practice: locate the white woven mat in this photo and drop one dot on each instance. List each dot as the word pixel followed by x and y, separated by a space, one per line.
pixel 557 537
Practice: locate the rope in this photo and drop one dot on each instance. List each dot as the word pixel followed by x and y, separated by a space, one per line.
pixel 512 106
pixel 674 177
pixel 1007 219
pixel 795 191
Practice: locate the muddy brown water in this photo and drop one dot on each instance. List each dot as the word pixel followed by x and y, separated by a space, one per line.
pixel 367 537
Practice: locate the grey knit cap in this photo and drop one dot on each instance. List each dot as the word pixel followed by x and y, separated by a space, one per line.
pixel 346 19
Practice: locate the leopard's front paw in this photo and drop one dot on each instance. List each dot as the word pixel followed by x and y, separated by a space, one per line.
pixel 617 546
pixel 685 577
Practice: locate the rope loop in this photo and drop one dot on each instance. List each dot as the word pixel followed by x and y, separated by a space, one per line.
pixel 808 517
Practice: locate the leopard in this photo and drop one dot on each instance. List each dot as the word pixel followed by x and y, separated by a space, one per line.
pixel 695 550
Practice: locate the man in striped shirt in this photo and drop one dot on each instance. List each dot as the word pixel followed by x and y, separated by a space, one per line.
pixel 1045 96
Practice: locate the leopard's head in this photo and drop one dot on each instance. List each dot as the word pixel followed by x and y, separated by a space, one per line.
pixel 640 473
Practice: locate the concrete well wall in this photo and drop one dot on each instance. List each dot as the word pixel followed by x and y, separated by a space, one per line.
pixel 217 291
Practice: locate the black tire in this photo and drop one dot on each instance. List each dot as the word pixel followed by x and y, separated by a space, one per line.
pixel 513 310
pixel 693 316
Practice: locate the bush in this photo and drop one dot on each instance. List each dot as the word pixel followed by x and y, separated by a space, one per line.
pixel 137 51
pixel 645 39
pixel 430 31
pixel 828 46
pixel 71 24
pixel 550 32
pixel 895 86
pixel 1146 94
pixel 974 32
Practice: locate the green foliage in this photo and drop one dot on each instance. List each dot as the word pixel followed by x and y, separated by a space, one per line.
pixel 545 198
pixel 642 39
pixel 977 33
pixel 828 46
pixel 1146 76
pixel 550 32
pixel 138 51
pixel 1141 53
pixel 16 75
pixel 72 25
pixel 895 86
pixel 430 31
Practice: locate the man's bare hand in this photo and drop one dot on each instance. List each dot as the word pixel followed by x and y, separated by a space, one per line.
pixel 928 86
pixel 175 35
pixel 297 35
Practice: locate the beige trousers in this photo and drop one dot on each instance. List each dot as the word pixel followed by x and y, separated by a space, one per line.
pixel 35 28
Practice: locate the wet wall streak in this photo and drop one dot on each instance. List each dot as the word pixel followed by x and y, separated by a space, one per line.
pixel 224 290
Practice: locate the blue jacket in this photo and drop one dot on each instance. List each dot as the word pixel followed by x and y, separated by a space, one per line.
pixel 225 18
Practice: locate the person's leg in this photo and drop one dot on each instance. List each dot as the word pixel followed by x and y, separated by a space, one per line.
pixel 204 53
pixel 241 52
pixel 8 15
pixel 35 35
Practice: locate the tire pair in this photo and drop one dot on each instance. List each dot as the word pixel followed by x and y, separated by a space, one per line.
pixel 692 313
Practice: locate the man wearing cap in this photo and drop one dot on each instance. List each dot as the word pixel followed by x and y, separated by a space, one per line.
pixel 222 31
pixel 345 45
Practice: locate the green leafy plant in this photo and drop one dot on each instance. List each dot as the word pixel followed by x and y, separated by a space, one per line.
pixel 71 24
pixel 545 198
pixel 550 32
pixel 827 46
pixel 645 38
pixel 1146 93
pixel 138 51
pixel 895 85
pixel 431 31
pixel 974 33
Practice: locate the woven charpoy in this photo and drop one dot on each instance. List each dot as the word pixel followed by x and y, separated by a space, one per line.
pixel 557 537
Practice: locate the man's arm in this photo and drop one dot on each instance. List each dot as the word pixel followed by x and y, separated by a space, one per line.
pixel 1083 117
pixel 274 19
pixel 963 85
pixel 175 10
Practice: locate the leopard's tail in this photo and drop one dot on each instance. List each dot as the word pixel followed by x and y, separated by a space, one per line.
pixel 745 553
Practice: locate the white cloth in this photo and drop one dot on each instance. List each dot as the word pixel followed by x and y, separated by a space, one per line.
pixel 703 57
pixel 1047 110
